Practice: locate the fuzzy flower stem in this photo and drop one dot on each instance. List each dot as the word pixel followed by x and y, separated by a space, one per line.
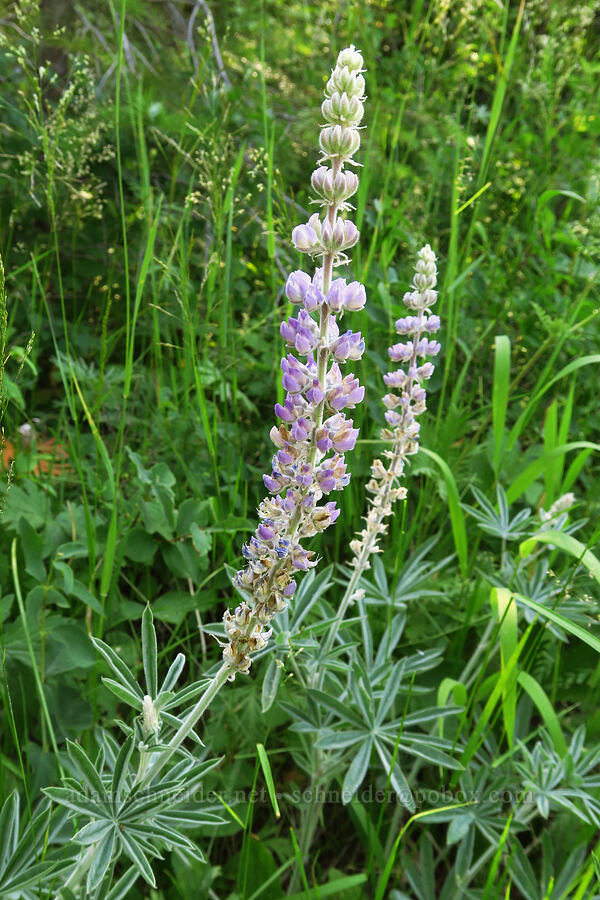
pixel 161 759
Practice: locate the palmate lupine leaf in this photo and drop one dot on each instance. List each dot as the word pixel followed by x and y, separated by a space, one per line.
pixel 36 853
pixel 121 815
pixel 498 523
pixel 358 722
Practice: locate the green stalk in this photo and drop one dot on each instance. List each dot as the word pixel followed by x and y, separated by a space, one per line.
pixel 161 759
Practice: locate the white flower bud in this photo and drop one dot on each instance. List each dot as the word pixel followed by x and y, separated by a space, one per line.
pixel 150 717
pixel 342 110
pixel 338 142
pixel 351 58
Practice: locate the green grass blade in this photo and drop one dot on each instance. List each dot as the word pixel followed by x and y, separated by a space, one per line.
pixel 500 94
pixel 525 416
pixel 266 767
pixel 32 656
pixel 385 875
pixel 457 518
pixel 570 627
pixel 545 709
pixel 567 543
pixel 537 468
pixel 551 473
pixel 307 893
pixel 505 675
pixel 336 887
pixel 506 612
pixel 500 395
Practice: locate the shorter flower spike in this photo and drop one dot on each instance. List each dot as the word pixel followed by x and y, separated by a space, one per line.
pixel 404 403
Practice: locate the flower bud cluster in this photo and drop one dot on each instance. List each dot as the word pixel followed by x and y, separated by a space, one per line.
pixel 314 432
pixel 339 140
pixel 404 403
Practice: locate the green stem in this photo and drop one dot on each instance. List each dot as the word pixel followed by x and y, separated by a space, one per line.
pixel 188 723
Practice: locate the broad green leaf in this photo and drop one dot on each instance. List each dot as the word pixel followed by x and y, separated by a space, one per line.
pixel 33 549
pixel 140 546
pixel 173 607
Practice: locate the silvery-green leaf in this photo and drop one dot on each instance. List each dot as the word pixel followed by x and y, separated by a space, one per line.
pixel 25 876
pixel 270 684
pixel 173 674
pixel 137 856
pixel 75 801
pixel 149 653
pixel 121 769
pixel 124 693
pixel 101 861
pixel 118 666
pixel 92 832
pixel 341 710
pixel 357 771
pixel 191 818
pixel 90 776
pixel 121 889
pixel 397 777
pixel 9 828
pixel 335 740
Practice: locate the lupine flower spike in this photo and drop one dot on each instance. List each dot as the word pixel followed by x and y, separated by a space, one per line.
pixel 314 432
pixel 404 402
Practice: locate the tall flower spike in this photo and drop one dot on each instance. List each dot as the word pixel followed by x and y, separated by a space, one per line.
pixel 315 433
pixel 404 403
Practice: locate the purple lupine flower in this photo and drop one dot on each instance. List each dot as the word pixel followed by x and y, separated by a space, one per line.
pixel 355 296
pixel 296 286
pixel 314 432
pixel 304 238
pixel 402 408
